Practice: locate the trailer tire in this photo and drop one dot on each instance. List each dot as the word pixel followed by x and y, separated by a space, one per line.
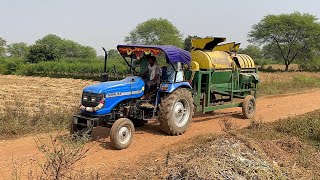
pixel 121 134
pixel 175 112
pixel 249 107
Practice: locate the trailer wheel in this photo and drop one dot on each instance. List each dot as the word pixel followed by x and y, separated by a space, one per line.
pixel 79 130
pixel 121 133
pixel 249 107
pixel 175 112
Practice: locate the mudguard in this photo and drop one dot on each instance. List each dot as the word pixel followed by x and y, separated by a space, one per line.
pixel 170 87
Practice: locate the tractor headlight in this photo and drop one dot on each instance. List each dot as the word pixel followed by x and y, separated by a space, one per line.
pixel 85 98
pixel 164 88
pixel 93 99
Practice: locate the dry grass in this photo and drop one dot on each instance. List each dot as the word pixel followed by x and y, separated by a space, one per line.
pixel 35 92
pixel 285 76
pixel 205 157
pixel 60 160
pixel 35 105
pixel 280 150
pixel 287 82
pixel 281 67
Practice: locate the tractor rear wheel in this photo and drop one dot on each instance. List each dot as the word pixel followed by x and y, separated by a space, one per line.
pixel 121 134
pixel 175 112
pixel 249 107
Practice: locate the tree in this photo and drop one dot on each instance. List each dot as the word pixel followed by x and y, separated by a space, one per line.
pixel 253 51
pixel 187 42
pixel 155 31
pixel 19 50
pixel 45 49
pixel 2 47
pixel 52 47
pixel 114 54
pixel 294 35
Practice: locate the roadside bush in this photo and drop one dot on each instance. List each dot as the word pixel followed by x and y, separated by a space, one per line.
pixel 313 65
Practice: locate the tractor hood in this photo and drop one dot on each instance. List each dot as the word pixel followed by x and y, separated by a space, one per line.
pixel 116 92
pixel 113 86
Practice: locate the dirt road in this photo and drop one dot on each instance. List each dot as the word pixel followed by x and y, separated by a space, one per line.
pixel 150 138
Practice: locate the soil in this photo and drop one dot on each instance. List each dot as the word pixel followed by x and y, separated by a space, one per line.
pixel 150 138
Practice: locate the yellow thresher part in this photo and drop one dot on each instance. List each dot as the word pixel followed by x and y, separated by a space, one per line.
pixel 211 59
pixel 244 60
pixel 206 43
pixel 227 47
pixel 236 46
pixel 195 66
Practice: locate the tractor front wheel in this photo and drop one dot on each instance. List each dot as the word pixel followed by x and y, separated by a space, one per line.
pixel 249 107
pixel 121 134
pixel 175 112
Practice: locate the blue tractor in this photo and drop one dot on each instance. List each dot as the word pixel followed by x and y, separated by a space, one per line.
pixel 122 105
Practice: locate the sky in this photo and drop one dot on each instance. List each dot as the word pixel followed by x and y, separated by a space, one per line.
pixel 105 23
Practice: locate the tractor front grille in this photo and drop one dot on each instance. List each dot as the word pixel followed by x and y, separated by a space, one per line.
pixel 91 99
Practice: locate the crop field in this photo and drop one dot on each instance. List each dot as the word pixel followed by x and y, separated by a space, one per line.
pixel 35 93
pixel 40 92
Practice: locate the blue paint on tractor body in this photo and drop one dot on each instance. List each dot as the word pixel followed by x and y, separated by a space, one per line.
pixel 173 86
pixel 116 92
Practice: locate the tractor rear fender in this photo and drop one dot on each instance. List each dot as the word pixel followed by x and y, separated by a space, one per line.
pixel 167 88
pixel 170 87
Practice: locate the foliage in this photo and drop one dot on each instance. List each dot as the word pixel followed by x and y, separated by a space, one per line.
pixel 114 54
pixel 10 65
pixel 2 47
pixel 73 68
pixel 155 31
pixel 52 47
pixel 187 42
pixel 313 65
pixel 294 35
pixel 18 50
pixel 253 51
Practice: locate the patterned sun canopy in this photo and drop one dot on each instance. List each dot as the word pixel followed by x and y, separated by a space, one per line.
pixel 173 54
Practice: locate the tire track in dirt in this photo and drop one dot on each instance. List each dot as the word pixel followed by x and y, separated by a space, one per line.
pixel 150 138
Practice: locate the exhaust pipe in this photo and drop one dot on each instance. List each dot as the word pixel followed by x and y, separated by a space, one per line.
pixel 104 75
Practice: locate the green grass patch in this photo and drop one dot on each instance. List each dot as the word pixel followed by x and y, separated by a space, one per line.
pixel 306 127
pixel 296 84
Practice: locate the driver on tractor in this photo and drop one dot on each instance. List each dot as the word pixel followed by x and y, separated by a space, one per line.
pixel 155 73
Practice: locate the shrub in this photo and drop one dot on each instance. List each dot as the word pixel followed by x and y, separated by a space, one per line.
pixel 72 68
pixel 10 65
pixel 313 65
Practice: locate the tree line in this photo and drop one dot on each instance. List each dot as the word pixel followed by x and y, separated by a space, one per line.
pixel 285 38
